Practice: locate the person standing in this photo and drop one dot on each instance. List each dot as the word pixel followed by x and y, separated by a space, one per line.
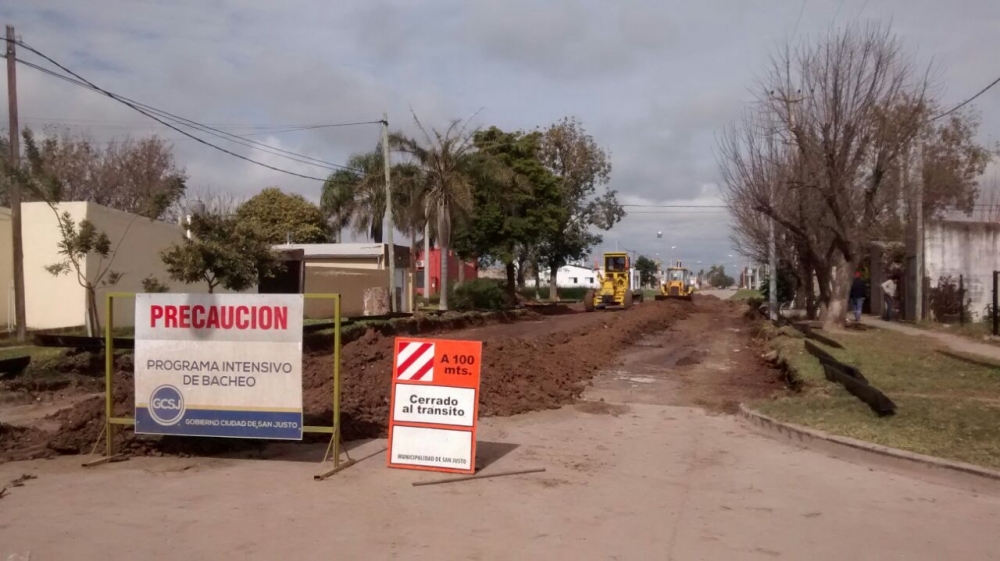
pixel 889 290
pixel 857 295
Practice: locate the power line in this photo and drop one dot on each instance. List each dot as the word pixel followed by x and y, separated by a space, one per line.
pixel 314 127
pixel 266 148
pixel 106 124
pixel 968 101
pixel 802 10
pixel 139 107
pixel 680 211
pixel 675 206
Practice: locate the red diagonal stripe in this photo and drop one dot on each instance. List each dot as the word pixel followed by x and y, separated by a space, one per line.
pixel 413 358
pixel 426 368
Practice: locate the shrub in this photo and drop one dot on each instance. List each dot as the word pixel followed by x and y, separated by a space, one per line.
pixel 478 294
pixel 947 302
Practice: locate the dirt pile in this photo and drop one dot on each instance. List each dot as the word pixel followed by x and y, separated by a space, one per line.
pixel 519 375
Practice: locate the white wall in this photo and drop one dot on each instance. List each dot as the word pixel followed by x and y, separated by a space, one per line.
pixel 49 301
pixel 569 276
pixel 971 249
pixel 6 270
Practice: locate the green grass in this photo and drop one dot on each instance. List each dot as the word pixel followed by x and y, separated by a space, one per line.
pixel 945 407
pixel 746 294
pixel 36 353
pixel 980 332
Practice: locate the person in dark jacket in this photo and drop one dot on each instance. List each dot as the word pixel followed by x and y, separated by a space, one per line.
pixel 857 295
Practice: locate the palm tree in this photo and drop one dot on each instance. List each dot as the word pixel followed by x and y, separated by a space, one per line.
pixel 356 196
pixel 450 168
pixel 337 200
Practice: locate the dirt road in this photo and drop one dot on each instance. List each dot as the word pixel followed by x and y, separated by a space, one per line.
pixel 655 471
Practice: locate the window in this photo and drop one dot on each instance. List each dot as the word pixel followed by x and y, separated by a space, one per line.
pixel 573 280
pixel 590 280
pixel 615 264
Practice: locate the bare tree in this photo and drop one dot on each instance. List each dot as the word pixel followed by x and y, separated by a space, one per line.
pixel 849 106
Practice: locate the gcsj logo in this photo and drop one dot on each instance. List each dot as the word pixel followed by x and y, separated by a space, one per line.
pixel 166 405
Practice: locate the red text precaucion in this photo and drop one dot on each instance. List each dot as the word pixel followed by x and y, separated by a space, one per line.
pixel 266 318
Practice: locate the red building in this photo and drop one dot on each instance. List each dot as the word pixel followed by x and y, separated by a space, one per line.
pixel 434 263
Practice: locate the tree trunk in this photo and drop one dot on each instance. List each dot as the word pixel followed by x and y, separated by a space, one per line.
pixel 840 284
pixel 413 268
pixel 511 286
pixel 808 292
pixel 427 260
pixel 553 284
pixel 833 288
pixel 461 270
pixel 522 263
pixel 444 244
pixel 93 322
pixel 538 276
pixel 443 302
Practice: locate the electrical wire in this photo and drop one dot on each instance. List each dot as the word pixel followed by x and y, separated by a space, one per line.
pixel 157 114
pixel 675 206
pixel 968 101
pixel 802 10
pixel 266 148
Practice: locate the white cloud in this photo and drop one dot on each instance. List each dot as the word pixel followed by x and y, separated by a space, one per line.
pixel 653 82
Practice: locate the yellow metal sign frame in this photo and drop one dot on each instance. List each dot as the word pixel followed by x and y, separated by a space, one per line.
pixel 110 421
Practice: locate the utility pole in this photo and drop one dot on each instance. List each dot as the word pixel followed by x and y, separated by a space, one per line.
pixel 388 213
pixel 15 188
pixel 773 277
pixel 919 289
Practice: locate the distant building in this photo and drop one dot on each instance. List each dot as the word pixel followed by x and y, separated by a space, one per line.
pixel 569 276
pixel 433 263
pixel 349 269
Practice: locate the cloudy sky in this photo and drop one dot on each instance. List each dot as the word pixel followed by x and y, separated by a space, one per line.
pixel 653 81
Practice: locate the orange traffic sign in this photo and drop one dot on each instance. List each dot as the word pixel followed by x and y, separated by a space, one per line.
pixel 434 405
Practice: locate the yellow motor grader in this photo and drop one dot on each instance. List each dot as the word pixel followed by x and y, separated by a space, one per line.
pixel 618 287
pixel 677 284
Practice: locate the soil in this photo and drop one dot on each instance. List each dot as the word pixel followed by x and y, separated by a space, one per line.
pixel 710 360
pixel 531 362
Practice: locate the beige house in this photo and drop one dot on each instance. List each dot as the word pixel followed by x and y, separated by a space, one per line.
pixel 53 302
pixel 349 269
pixel 60 301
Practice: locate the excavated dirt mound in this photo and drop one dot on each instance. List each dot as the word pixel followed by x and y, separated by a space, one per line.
pixel 518 376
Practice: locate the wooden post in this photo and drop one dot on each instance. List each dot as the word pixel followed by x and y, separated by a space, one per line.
pixel 996 318
pixel 15 188
pixel 961 299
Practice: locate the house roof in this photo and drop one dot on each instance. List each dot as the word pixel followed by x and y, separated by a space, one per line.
pixel 317 250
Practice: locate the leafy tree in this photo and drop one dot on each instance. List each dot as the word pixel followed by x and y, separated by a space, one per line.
pixel 718 278
pixel 222 252
pixel 153 284
pixel 583 170
pixel 647 270
pixel 449 167
pixel 138 176
pixel 277 216
pixel 516 212
pixel 77 241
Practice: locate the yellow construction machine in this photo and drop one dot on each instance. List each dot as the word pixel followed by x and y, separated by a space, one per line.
pixel 677 284
pixel 618 287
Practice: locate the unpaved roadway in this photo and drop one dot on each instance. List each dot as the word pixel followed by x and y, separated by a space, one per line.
pixel 657 470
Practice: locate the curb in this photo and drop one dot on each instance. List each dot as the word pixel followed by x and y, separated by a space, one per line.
pixel 807 436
